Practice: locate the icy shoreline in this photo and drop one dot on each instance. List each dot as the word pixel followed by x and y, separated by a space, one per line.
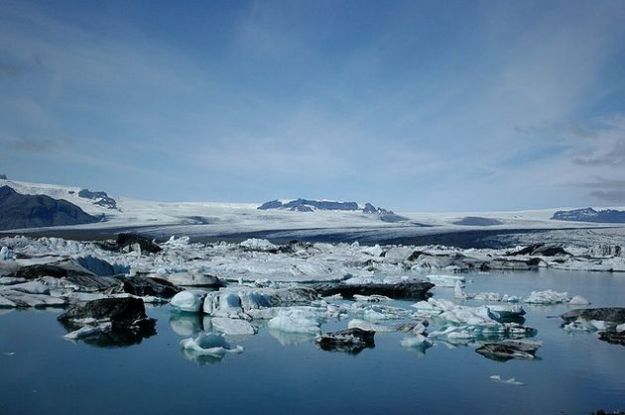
pixel 295 291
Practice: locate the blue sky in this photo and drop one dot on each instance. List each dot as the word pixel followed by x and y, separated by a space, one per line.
pixel 414 105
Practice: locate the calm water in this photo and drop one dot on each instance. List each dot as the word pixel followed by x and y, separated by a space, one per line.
pixel 42 373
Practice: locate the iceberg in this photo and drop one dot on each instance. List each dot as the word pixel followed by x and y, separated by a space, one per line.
pixel 232 327
pixel 511 381
pixel 190 300
pixel 448 281
pixel 5 254
pixel 579 300
pixel 418 341
pixel 547 297
pixel 295 320
pixel 208 344
pixel 368 326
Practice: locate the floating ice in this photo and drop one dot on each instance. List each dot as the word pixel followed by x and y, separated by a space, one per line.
pixel 367 325
pixel 5 254
pixel 261 245
pixel 190 300
pixel 87 331
pixel 223 304
pixel 511 381
pixel 232 327
pixel 505 312
pixel 208 344
pixel 295 320
pixel 417 341
pixel 547 297
pixel 460 294
pixel 446 280
pixel 579 300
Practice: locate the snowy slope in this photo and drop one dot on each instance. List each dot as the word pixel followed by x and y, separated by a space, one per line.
pixel 229 218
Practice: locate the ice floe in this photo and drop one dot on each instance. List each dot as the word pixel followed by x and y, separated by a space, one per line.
pixel 547 297
pixel 208 345
pixel 510 381
pixel 295 320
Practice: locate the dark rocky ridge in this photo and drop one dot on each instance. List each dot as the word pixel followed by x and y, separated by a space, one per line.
pixel 308 205
pixel 99 198
pixel 18 211
pixel 590 215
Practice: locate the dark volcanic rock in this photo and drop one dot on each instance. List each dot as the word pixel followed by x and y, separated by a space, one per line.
pixel 612 314
pixel 99 198
pixel 541 250
pixel 352 340
pixel 32 272
pixel 613 337
pixel 121 321
pixel 33 211
pixel 414 290
pixel 509 349
pixel 144 286
pixel 92 283
pixel 128 239
pixel 101 267
pixel 274 204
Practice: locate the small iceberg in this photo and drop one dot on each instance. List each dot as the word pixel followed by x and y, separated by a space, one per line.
pixel 208 345
pixel 547 297
pixel 295 321
pixel 448 281
pixel 190 300
pixel 511 381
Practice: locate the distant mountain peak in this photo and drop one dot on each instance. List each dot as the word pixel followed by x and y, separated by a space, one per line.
pixel 311 205
pixel 590 215
pixel 32 211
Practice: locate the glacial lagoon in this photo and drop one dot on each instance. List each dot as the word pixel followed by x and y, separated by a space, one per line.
pixel 574 373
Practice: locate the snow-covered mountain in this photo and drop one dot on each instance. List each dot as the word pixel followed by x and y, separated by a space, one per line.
pixel 350 221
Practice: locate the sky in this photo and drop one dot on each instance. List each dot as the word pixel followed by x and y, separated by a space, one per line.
pixel 416 105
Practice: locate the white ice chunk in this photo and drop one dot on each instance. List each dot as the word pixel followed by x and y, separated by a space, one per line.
pixel 254 244
pixel 295 321
pixel 190 300
pixel 415 341
pixel 6 303
pixel 209 344
pixel 427 307
pixel 445 280
pixel 620 328
pixel 232 327
pixel 367 325
pixel 87 331
pixel 511 381
pixel 5 254
pixel 223 304
pixel 579 300
pixel 547 297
